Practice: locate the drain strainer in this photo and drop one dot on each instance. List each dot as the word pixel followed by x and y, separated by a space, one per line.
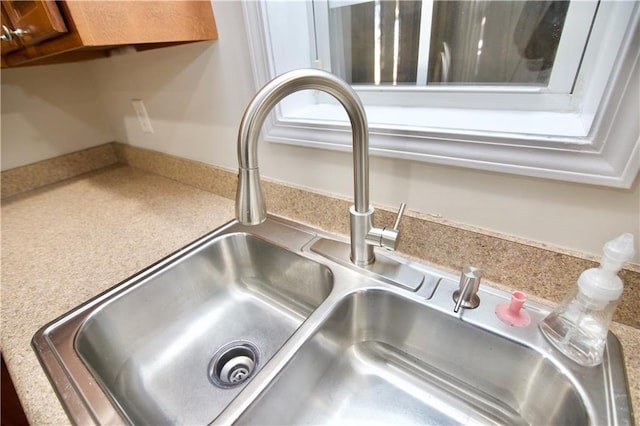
pixel 233 364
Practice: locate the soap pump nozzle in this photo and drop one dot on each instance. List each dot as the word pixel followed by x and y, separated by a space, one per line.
pixel 602 285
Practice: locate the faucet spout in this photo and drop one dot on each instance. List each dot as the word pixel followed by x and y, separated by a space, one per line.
pixel 250 205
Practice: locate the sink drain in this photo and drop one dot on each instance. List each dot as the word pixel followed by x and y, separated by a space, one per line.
pixel 233 364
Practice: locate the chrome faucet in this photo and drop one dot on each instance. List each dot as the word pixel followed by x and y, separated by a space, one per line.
pixel 250 205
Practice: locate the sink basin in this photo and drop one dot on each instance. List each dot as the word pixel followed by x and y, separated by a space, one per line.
pixel 150 346
pixel 159 347
pixel 383 359
pixel 270 325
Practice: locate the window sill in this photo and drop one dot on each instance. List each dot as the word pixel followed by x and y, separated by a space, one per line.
pixel 564 127
pixel 538 144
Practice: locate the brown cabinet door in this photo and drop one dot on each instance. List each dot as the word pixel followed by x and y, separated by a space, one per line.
pixel 40 19
pixel 9 43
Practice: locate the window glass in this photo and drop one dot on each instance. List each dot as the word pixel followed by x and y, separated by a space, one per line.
pixel 376 41
pixel 406 42
pixel 504 42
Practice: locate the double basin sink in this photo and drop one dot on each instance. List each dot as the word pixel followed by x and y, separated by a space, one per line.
pixel 259 325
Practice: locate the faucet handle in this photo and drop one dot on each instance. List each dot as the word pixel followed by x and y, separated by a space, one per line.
pixel 396 224
pixel 386 237
pixel 390 237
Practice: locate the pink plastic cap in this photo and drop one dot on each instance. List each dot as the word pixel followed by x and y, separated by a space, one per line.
pixel 513 313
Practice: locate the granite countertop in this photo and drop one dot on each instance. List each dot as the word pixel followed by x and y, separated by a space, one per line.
pixel 67 242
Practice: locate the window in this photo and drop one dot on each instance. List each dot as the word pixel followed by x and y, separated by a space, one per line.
pixel 541 88
pixel 455 42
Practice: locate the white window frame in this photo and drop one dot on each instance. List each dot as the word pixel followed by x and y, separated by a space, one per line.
pixel 595 141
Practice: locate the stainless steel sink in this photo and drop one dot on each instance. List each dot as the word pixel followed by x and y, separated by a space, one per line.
pixel 257 325
pixel 158 345
pixel 384 359
pixel 147 345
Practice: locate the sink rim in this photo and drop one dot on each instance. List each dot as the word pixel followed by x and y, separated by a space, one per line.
pixel 87 403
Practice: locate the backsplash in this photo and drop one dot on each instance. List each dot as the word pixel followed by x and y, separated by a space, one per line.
pixel 537 269
pixel 42 173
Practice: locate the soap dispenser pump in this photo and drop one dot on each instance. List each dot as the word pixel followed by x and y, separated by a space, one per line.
pixel 578 327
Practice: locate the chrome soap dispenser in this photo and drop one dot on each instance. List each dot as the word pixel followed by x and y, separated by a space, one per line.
pixel 578 327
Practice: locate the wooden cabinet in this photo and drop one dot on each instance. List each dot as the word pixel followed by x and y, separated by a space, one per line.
pixel 32 21
pixel 9 41
pixel 47 31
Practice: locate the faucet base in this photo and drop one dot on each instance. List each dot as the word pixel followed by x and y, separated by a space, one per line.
pixel 384 267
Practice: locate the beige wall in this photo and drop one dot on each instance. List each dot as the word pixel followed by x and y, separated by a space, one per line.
pixel 48 111
pixel 196 94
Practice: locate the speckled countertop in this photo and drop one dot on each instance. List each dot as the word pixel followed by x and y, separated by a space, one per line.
pixel 67 242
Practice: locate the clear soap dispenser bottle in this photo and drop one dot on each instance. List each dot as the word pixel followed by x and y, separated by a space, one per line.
pixel 578 327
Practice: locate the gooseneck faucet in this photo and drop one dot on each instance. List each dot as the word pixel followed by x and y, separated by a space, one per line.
pixel 250 204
